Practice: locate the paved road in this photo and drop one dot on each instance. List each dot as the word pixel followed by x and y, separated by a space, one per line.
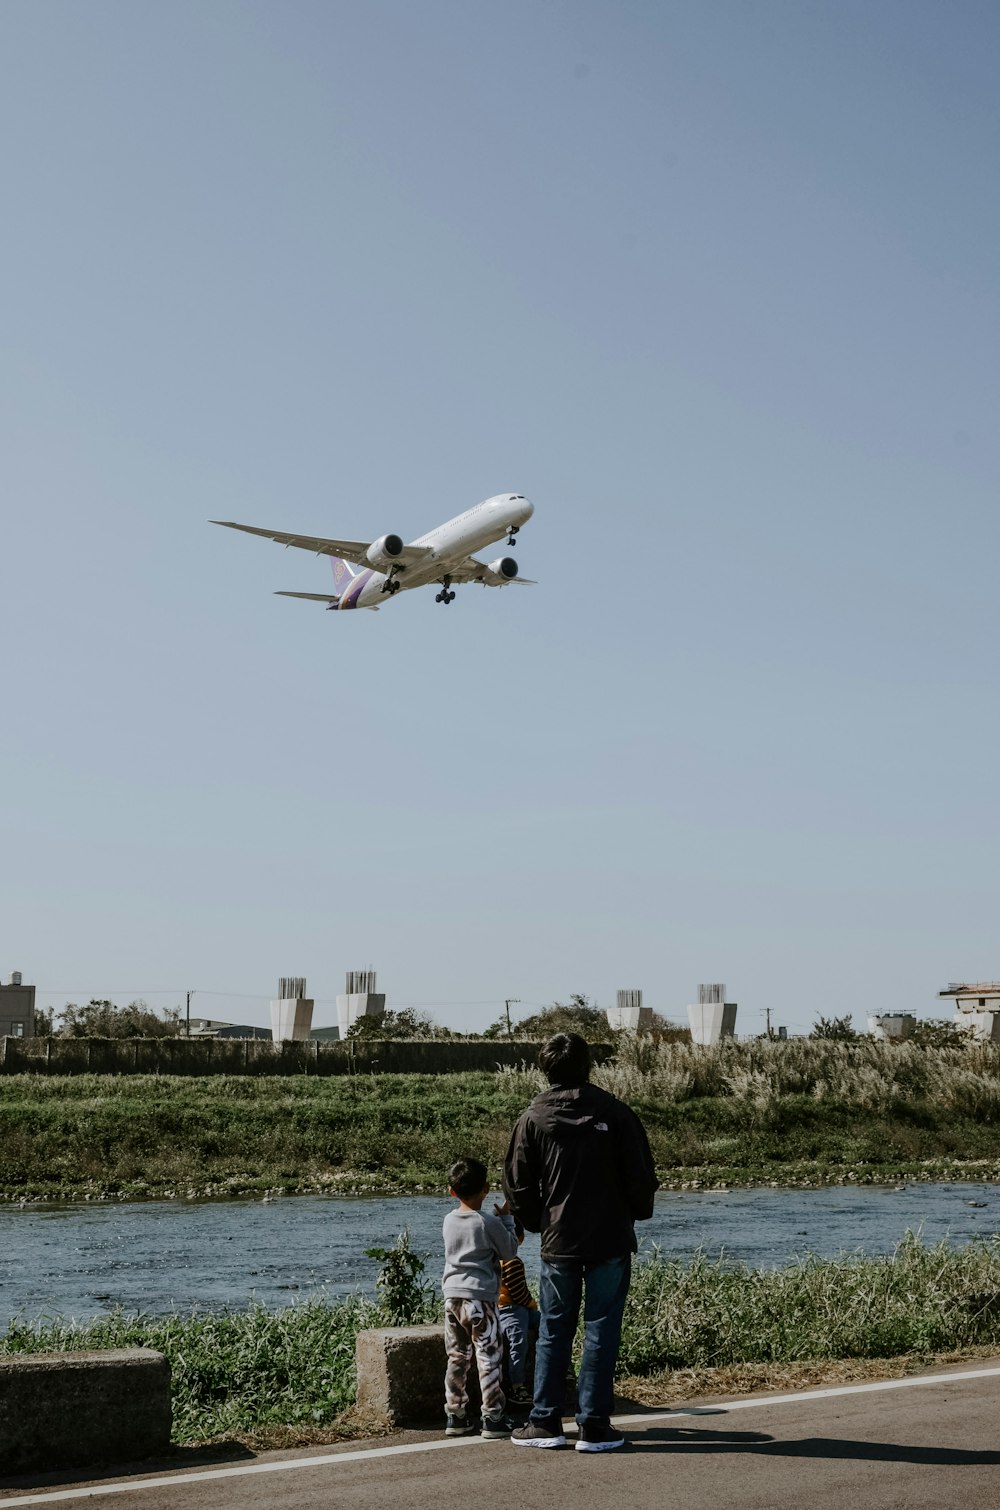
pixel 901 1445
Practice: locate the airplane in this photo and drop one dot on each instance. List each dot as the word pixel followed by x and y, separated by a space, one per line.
pixel 387 565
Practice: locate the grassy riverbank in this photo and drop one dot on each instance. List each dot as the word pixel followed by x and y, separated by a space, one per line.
pixel 786 1113
pixel 284 1376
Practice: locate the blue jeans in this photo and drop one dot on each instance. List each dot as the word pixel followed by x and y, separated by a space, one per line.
pixel 603 1288
pixel 517 1323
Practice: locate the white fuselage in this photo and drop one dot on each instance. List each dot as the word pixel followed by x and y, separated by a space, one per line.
pixel 450 545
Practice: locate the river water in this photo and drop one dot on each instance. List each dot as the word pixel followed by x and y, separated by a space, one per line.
pixel 82 1260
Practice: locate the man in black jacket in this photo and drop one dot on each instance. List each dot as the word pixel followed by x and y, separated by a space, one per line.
pixel 579 1171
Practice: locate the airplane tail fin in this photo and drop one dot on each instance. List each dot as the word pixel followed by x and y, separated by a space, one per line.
pixel 343 574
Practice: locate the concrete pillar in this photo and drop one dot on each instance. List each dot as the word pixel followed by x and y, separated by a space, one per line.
pixel 359 1000
pixel 291 1014
pixel 985 1025
pixel 629 1014
pixel 883 1025
pixel 712 1018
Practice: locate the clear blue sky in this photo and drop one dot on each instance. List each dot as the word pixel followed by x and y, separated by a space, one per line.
pixel 716 286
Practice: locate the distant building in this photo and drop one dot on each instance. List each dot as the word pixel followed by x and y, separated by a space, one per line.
pixel 325 1035
pixel 895 1025
pixel 17 1009
pixel 712 1017
pixel 977 1006
pixel 208 1027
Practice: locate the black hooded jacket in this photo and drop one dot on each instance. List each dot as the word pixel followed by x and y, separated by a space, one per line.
pixel 579 1171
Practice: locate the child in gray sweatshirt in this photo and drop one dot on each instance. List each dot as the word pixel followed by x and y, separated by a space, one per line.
pixel 474 1244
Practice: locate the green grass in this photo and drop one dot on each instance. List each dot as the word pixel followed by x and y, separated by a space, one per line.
pixel 798 1113
pixel 247 1373
pixel 236 1373
pixel 704 1312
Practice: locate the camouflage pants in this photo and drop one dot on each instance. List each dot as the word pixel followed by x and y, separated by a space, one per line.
pixel 468 1325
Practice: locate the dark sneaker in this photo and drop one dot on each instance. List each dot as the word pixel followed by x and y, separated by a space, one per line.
pixel 457 1426
pixel 603 1438
pixel 496 1428
pixel 520 1394
pixel 533 1435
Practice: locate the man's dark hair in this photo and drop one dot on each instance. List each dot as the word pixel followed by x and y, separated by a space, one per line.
pixel 467 1177
pixel 565 1059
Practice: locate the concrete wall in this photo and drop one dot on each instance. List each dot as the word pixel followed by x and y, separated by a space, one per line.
pixel 222 1056
pixel 985 1025
pixel 884 1025
pixel 64 1410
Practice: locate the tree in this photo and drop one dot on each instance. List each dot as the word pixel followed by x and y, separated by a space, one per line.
pixel 664 1031
pixel 941 1033
pixel 835 1029
pixel 102 1019
pixel 406 1023
pixel 43 1022
pixel 575 1016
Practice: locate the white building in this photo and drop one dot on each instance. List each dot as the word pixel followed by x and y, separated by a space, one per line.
pixel 977 1006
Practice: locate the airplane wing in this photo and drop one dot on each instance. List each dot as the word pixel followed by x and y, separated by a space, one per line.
pixel 472 570
pixel 314 597
pixel 330 599
pixel 355 551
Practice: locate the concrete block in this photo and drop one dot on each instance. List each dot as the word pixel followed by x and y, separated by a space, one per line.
pixel 354 1005
pixel 291 1019
pixel 710 1022
pixel 64 1410
pixel 401 1373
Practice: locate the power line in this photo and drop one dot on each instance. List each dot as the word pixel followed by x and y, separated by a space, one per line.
pixel 496 1001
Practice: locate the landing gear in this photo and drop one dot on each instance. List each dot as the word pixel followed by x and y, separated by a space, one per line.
pixel 445 596
pixel 513 531
pixel 390 585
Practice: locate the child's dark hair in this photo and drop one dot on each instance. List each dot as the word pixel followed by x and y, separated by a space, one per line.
pixel 467 1177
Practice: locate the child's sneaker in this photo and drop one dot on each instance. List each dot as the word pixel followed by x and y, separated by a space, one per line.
pixel 496 1428
pixel 520 1394
pixel 458 1426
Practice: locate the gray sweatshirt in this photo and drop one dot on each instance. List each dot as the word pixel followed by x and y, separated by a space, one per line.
pixel 474 1244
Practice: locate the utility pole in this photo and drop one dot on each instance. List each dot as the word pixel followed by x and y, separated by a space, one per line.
pixel 188 1013
pixel 511 1001
pixel 767 1011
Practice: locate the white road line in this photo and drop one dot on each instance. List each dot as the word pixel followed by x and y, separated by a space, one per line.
pixel 330 1459
pixel 754 1402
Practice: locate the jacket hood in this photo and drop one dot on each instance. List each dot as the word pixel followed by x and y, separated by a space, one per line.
pixel 567 1112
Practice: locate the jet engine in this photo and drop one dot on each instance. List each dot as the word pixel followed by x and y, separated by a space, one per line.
pixel 504 569
pixel 385 552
